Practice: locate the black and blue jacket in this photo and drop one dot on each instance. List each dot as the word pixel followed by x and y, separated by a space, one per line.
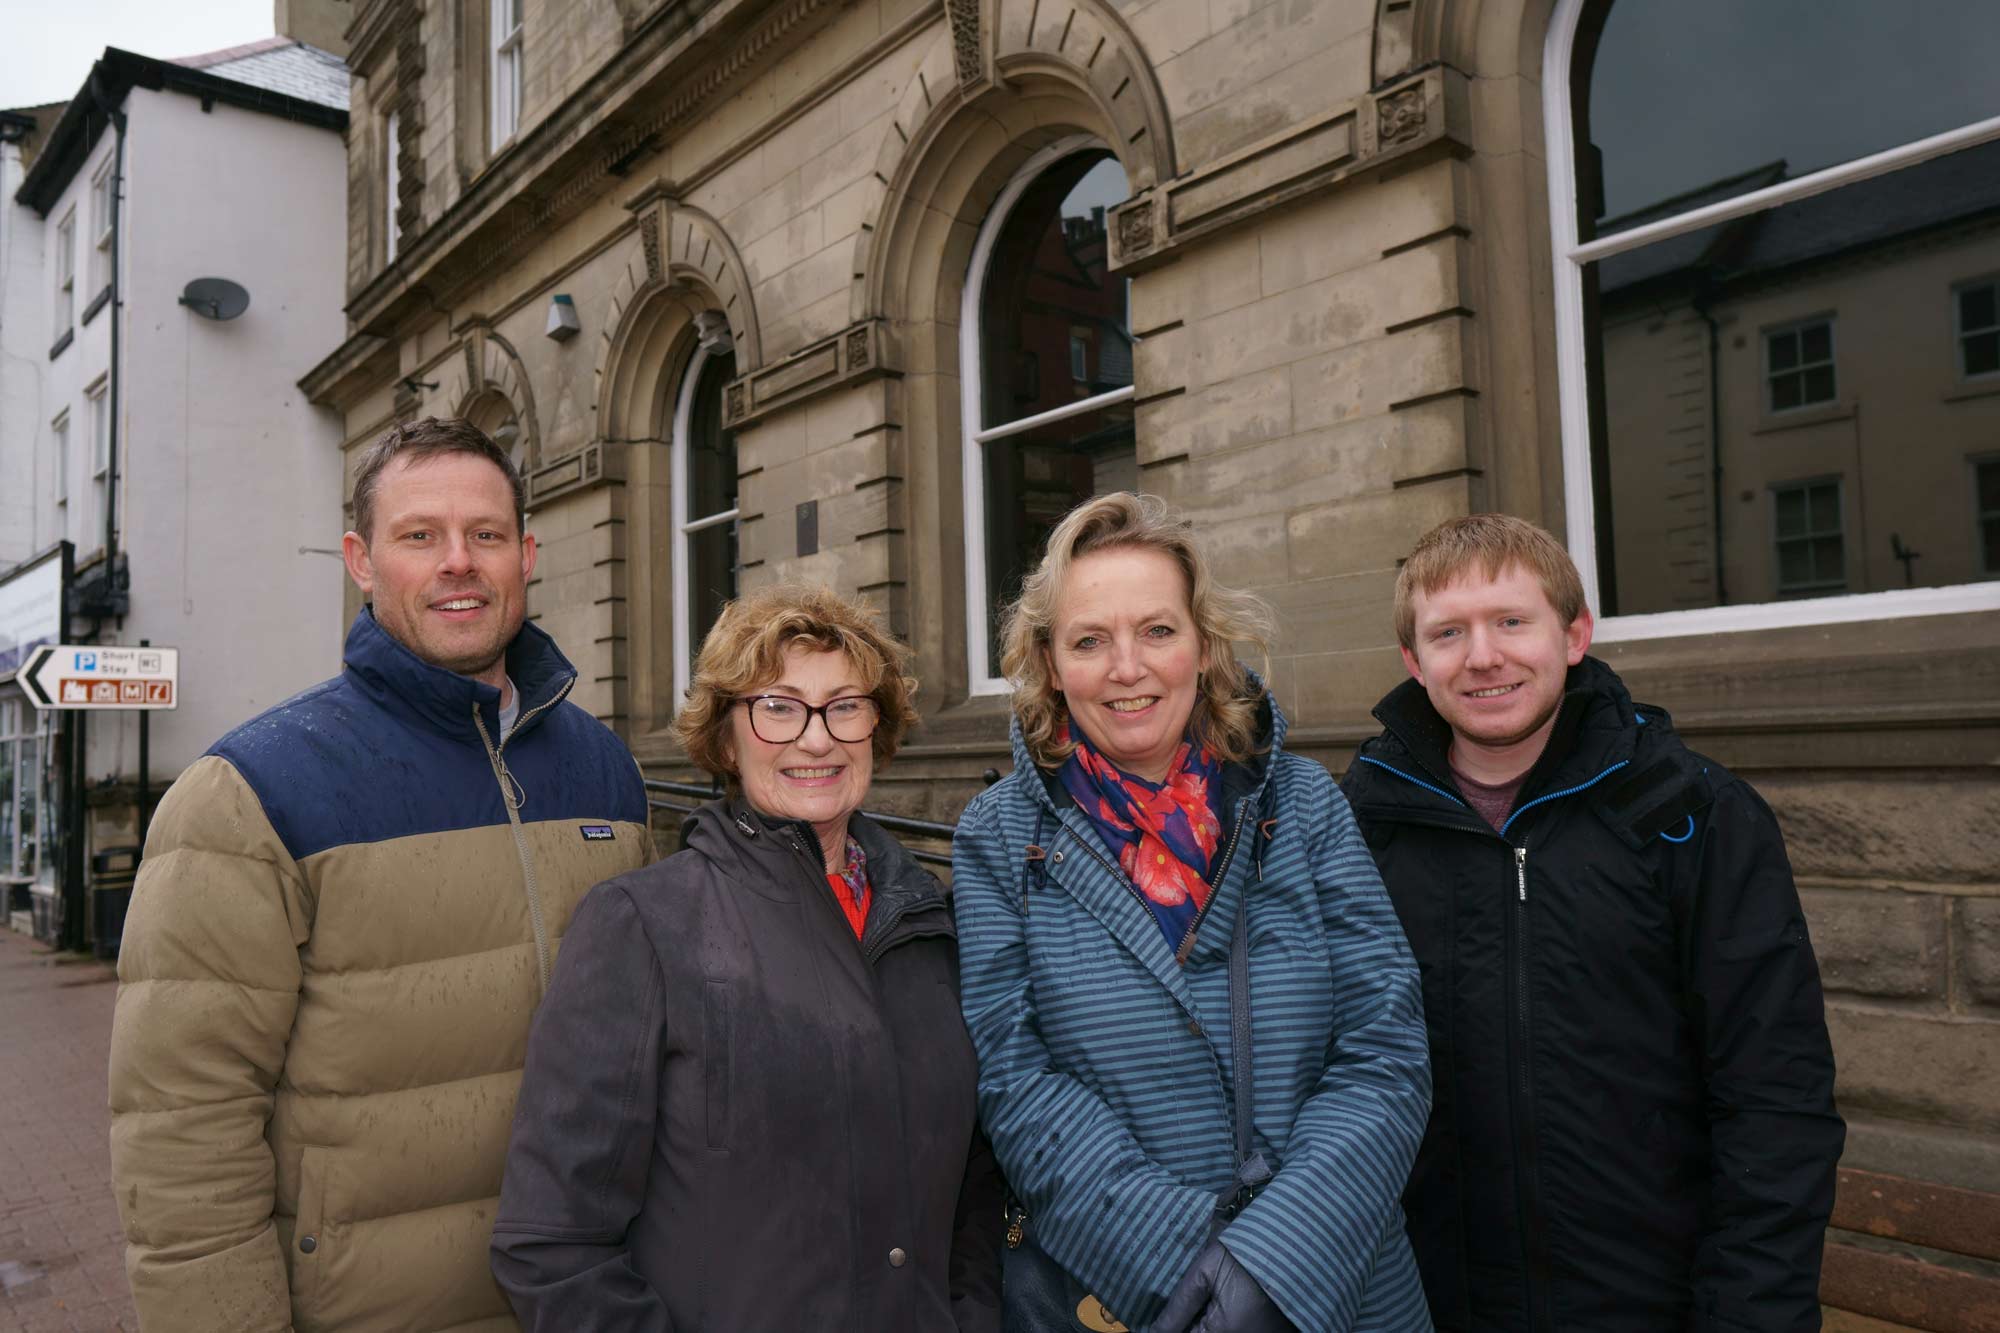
pixel 1633 1124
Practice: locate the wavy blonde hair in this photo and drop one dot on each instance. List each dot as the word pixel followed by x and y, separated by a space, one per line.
pixel 1226 698
pixel 745 651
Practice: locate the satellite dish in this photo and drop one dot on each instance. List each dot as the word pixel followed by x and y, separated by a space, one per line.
pixel 215 298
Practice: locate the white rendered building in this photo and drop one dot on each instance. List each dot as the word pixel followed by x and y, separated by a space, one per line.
pixel 166 441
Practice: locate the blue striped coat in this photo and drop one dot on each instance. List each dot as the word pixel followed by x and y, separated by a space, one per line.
pixel 1104 1065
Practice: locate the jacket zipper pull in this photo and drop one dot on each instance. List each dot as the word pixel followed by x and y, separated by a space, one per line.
pixel 1521 871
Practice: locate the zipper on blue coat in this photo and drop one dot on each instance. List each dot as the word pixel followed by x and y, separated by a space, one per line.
pixel 1221 871
pixel 1427 786
pixel 1555 795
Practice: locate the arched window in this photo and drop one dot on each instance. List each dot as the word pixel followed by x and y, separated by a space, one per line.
pixel 495 416
pixel 1777 235
pixel 1045 373
pixel 704 497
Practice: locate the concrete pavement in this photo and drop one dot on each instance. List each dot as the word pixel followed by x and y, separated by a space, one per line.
pixel 61 1250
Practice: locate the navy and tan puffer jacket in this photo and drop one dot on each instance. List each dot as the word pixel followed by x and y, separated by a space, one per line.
pixel 344 919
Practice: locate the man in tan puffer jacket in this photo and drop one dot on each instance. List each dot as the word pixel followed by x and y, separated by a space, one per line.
pixel 344 919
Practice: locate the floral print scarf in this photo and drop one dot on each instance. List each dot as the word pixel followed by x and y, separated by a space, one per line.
pixel 1166 836
pixel 850 887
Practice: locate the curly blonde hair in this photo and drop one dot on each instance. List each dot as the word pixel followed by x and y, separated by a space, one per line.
pixel 745 651
pixel 1227 699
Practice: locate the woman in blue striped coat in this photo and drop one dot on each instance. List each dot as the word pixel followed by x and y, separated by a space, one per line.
pixel 1152 814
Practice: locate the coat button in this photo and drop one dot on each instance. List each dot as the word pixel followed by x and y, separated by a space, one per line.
pixel 307 1244
pixel 1057 858
pixel 897 1258
pixel 1194 1026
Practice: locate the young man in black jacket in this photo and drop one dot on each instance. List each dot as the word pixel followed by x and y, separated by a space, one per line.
pixel 1633 1127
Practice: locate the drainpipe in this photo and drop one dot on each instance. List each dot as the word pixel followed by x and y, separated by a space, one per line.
pixel 116 116
pixel 76 905
pixel 1704 296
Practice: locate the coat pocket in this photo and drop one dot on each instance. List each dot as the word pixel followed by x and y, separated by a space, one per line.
pixel 715 1060
pixel 309 1254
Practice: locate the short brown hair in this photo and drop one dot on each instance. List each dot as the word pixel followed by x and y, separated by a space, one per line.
pixel 1226 703
pixel 429 438
pixel 1493 541
pixel 746 651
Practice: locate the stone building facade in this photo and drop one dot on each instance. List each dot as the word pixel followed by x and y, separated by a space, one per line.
pixel 779 290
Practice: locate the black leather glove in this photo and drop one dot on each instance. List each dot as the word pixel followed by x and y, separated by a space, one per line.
pixel 1218 1295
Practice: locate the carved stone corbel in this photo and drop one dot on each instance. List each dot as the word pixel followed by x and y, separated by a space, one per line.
pixel 682 244
pixel 971 47
pixel 1427 113
pixel 856 353
pixel 599 463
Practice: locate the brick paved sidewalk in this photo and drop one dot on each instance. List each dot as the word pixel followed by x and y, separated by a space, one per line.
pixel 62 1260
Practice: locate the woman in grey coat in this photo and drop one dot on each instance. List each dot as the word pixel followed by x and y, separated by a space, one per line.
pixel 749 1096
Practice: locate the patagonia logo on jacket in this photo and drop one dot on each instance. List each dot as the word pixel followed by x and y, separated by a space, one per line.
pixel 597 833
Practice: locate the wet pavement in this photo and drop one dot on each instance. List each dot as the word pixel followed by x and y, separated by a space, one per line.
pixel 62 1261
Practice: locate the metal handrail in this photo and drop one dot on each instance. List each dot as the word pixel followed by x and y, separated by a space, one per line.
pixel 929 828
pixel 926 828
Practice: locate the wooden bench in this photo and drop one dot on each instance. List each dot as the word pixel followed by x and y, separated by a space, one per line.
pixel 1870 1289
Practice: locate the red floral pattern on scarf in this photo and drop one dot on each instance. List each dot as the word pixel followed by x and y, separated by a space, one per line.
pixel 1165 835
pixel 850 887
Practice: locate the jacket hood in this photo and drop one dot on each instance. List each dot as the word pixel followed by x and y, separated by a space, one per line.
pixel 442 701
pixel 1271 728
pixel 1596 728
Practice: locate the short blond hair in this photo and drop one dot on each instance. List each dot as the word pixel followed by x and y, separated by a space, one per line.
pixel 1226 702
pixel 1493 542
pixel 745 651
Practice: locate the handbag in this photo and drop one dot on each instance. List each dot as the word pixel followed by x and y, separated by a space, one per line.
pixel 1037 1294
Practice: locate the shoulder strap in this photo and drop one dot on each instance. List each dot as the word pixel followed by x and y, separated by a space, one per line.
pixel 1660 799
pixel 1252 1171
pixel 1034 860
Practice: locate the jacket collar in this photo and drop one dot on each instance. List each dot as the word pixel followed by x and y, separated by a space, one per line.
pixel 1108 895
pixel 769 856
pixel 1596 729
pixel 442 701
pixel 777 857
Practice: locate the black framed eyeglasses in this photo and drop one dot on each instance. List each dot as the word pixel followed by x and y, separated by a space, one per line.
pixel 779 719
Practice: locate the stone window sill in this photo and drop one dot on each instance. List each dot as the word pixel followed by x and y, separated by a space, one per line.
pixel 1986 386
pixel 1800 418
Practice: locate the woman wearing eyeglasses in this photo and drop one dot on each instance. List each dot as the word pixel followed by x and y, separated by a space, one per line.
pixel 749 1096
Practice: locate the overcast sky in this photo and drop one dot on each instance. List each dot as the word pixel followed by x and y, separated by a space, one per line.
pixel 1686 92
pixel 48 45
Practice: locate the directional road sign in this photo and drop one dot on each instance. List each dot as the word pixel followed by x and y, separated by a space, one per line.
pixel 87 676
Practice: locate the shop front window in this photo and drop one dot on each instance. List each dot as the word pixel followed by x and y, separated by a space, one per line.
pixel 1046 357
pixel 10 789
pixel 1766 286
pixel 22 748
